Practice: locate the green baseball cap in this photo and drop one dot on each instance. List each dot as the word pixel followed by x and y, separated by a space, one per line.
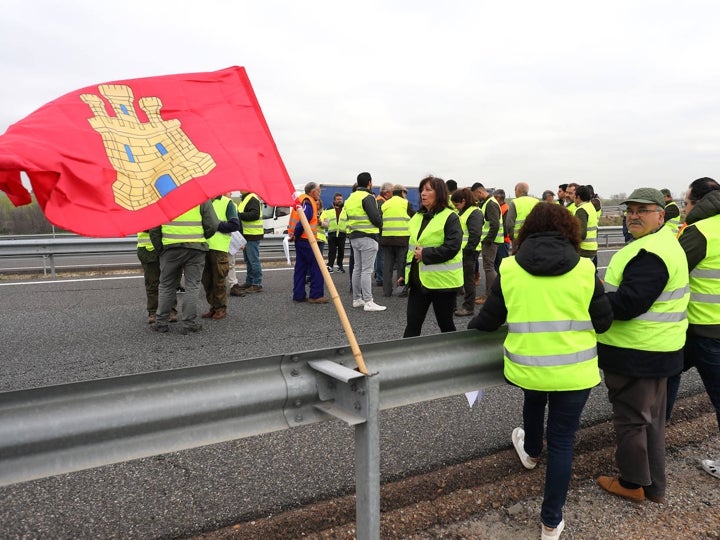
pixel 646 195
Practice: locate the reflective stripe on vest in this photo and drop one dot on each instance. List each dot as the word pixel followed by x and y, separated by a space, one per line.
pixel 523 206
pixel 674 223
pixel 662 328
pixel 186 227
pixel 590 242
pixel 551 343
pixel 704 307
pixel 500 238
pixel 253 227
pixel 357 219
pixel 395 217
pixel 220 241
pixel 463 223
pixel 143 241
pixel 295 218
pixel 445 275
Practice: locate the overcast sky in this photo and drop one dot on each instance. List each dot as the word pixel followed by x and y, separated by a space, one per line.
pixel 619 94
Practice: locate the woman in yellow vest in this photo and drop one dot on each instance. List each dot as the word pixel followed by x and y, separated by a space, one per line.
pixel 433 269
pixel 550 350
pixel 471 221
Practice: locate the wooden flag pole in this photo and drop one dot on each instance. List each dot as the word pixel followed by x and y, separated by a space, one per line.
pixel 354 347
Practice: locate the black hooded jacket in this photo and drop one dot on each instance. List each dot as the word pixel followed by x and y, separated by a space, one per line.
pixel 544 254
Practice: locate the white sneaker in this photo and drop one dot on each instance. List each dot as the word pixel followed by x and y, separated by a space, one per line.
pixel 518 440
pixel 553 534
pixel 372 306
pixel 711 467
pixel 359 302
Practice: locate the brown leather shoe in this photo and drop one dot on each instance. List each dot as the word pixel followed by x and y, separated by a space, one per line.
pixel 321 300
pixel 208 314
pixel 237 290
pixel 219 314
pixel 254 289
pixel 151 318
pixel 480 300
pixel 659 499
pixel 173 317
pixel 611 484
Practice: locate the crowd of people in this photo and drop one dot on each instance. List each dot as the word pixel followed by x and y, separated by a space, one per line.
pixel 655 315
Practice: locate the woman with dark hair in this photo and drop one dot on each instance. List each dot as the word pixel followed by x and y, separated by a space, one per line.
pixel 471 221
pixel 433 269
pixel 550 350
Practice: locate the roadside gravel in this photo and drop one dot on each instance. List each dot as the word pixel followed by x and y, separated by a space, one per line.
pixel 494 497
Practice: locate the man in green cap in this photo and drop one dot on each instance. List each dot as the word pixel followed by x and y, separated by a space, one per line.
pixel 647 284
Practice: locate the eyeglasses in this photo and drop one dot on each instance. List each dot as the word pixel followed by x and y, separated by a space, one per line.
pixel 640 212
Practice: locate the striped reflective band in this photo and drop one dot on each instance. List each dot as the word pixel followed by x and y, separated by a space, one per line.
pixel 186 223
pixel 705 298
pixel 673 295
pixel 610 288
pixel 654 316
pixel 442 267
pixel 553 360
pixel 699 273
pixel 549 326
pixel 178 236
pixel 592 229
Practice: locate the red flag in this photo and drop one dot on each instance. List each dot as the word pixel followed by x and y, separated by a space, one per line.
pixel 121 157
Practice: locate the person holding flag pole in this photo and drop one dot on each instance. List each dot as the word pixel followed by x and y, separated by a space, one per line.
pixel 334 296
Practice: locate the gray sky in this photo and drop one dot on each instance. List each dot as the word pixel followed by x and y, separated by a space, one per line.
pixel 619 94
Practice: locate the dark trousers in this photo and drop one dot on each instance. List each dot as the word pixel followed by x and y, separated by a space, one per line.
pixel 468 261
pixel 704 354
pixel 639 421
pixel 393 261
pixel 564 410
pixel 336 245
pixel 443 303
pixel 214 278
pixel 306 264
pixel 502 252
pixel 151 272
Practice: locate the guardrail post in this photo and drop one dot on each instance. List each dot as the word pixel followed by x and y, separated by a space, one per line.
pixel 354 398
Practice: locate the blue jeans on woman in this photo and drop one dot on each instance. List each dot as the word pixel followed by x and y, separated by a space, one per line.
pixel 563 421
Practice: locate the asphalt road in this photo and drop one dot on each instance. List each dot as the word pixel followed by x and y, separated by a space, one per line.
pixel 78 329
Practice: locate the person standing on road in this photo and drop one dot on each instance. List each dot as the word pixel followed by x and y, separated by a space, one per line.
pixel 518 209
pixel 550 350
pixel 471 222
pixel 587 216
pixel 385 195
pixel 305 261
pixel 364 222
pixel 181 245
pixel 217 259
pixel 250 216
pixel 336 234
pixel 672 212
pixel 647 284
pixel 396 213
pixel 493 234
pixel 433 270
pixel 700 240
pixel 148 258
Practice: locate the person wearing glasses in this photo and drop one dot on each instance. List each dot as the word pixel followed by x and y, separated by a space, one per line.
pixel 647 285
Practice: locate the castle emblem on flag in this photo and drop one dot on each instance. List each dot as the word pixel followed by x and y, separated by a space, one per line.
pixel 151 158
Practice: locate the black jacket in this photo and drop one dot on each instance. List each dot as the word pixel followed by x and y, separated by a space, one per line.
pixel 644 278
pixel 544 254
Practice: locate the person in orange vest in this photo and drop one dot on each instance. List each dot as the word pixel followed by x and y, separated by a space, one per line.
pixel 305 262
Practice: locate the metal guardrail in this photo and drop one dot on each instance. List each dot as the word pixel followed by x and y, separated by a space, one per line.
pixel 70 427
pixel 271 247
pixel 51 248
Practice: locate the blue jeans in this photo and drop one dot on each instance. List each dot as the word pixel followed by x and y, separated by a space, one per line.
pixel 704 354
pixel 251 254
pixel 563 421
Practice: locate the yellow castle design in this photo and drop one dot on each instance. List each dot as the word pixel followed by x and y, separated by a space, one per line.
pixel 152 158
